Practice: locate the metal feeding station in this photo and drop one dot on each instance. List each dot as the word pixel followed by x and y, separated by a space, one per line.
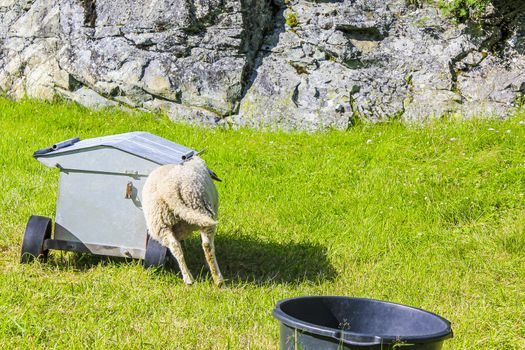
pixel 99 208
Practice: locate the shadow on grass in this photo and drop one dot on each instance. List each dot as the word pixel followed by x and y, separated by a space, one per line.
pixel 241 259
pixel 254 261
pixel 62 260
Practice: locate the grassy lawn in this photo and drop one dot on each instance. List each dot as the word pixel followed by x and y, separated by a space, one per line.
pixel 430 216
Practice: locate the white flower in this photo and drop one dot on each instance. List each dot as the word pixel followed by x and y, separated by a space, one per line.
pixel 453 139
pixel 368 141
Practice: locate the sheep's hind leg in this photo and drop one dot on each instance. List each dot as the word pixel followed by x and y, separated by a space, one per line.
pixel 208 246
pixel 176 249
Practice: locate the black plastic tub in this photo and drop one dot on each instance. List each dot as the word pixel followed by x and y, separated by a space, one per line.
pixel 337 323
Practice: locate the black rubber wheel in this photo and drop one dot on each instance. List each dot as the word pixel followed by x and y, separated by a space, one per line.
pixel 156 254
pixel 38 229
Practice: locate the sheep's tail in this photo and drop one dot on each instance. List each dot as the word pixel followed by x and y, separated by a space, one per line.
pixel 195 217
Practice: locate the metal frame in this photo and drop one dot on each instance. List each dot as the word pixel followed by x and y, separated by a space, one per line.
pixel 95 249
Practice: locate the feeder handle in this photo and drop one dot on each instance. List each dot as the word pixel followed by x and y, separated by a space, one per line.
pixel 65 143
pixel 346 337
pixel 188 155
pixel 56 146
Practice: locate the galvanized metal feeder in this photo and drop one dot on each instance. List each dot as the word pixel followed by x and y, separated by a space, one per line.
pixel 99 207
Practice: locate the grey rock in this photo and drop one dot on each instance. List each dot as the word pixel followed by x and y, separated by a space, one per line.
pixel 88 98
pixel 238 63
pixel 400 62
pixel 180 113
pixel 192 53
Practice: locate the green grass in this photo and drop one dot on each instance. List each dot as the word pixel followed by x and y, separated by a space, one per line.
pixel 431 216
pixel 460 10
pixel 463 10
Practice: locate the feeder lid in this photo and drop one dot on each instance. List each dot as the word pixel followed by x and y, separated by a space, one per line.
pixel 95 153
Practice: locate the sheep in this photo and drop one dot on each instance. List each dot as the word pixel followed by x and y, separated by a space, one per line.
pixel 178 199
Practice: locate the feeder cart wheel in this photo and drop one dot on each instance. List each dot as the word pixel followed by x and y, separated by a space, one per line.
pixel 38 229
pixel 156 254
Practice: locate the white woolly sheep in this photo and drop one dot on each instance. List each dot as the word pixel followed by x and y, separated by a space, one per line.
pixel 177 200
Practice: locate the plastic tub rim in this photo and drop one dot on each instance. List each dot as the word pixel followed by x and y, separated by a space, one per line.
pixel 354 338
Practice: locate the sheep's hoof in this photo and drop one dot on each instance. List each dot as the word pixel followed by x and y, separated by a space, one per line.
pixel 221 284
pixel 188 280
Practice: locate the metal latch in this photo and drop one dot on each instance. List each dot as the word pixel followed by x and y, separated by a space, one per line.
pixel 129 190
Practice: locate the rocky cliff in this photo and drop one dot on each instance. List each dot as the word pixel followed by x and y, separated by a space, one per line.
pixel 274 64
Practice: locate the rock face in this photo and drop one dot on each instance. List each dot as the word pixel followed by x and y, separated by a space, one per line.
pixel 302 64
